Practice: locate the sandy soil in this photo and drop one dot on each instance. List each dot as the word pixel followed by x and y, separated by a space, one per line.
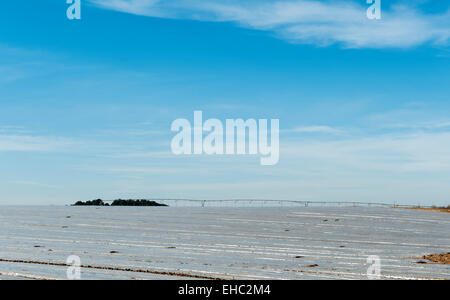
pixel 445 210
pixel 443 258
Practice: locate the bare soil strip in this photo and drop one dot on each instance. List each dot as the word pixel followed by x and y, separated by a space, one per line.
pixel 113 269
pixel 443 258
pixel 444 210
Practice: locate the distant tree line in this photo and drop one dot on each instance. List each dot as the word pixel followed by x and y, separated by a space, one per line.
pixel 441 207
pixel 119 202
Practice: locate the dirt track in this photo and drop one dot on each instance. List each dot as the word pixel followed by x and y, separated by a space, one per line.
pixel 438 258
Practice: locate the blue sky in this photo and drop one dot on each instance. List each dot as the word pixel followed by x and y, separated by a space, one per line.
pixel 86 105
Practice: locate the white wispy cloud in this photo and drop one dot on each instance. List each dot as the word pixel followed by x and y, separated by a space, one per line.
pixel 421 117
pixel 31 183
pixel 396 152
pixel 425 125
pixel 315 129
pixel 10 74
pixel 306 21
pixel 18 64
pixel 34 143
pixel 9 129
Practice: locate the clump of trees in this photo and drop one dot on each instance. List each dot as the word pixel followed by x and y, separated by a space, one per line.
pixel 98 202
pixel 132 202
pixel 440 207
pixel 120 202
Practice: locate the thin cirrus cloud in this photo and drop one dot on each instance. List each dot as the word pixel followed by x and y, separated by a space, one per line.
pixel 28 143
pixel 409 152
pixel 320 23
pixel 315 129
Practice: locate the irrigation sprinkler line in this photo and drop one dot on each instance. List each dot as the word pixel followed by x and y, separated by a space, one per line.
pixel 203 202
